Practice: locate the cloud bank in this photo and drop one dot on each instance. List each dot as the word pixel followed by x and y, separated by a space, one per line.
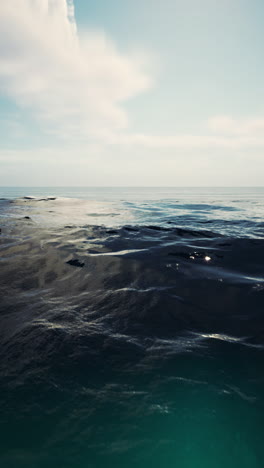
pixel 73 83
pixel 226 124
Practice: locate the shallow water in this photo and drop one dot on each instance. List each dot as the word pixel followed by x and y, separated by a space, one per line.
pixel 132 328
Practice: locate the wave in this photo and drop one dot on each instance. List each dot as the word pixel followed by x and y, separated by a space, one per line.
pixel 111 332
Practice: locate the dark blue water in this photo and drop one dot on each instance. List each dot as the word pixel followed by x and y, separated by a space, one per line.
pixel 132 329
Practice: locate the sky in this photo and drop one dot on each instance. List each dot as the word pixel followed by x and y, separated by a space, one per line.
pixel 122 93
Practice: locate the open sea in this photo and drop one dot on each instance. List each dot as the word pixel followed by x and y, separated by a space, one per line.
pixel 131 327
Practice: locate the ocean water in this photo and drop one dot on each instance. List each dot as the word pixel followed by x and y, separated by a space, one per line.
pixel 132 327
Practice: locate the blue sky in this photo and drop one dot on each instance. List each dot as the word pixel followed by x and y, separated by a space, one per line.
pixel 146 92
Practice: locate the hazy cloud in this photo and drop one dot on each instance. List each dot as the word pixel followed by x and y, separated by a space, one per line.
pixel 224 124
pixel 74 83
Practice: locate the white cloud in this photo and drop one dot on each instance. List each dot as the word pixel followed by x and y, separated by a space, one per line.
pixel 122 165
pixel 73 83
pixel 224 124
pixel 188 141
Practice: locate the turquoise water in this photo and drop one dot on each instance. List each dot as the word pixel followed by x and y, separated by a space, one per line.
pixel 146 352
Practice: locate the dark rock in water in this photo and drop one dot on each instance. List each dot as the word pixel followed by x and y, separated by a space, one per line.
pixel 47 199
pixel 27 217
pixel 128 228
pixel 76 263
pixel 111 231
pixel 158 228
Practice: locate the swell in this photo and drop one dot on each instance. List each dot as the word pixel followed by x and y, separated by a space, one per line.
pixel 236 218
pixel 114 339
pixel 140 284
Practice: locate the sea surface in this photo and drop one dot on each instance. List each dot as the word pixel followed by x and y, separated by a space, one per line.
pixel 131 327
